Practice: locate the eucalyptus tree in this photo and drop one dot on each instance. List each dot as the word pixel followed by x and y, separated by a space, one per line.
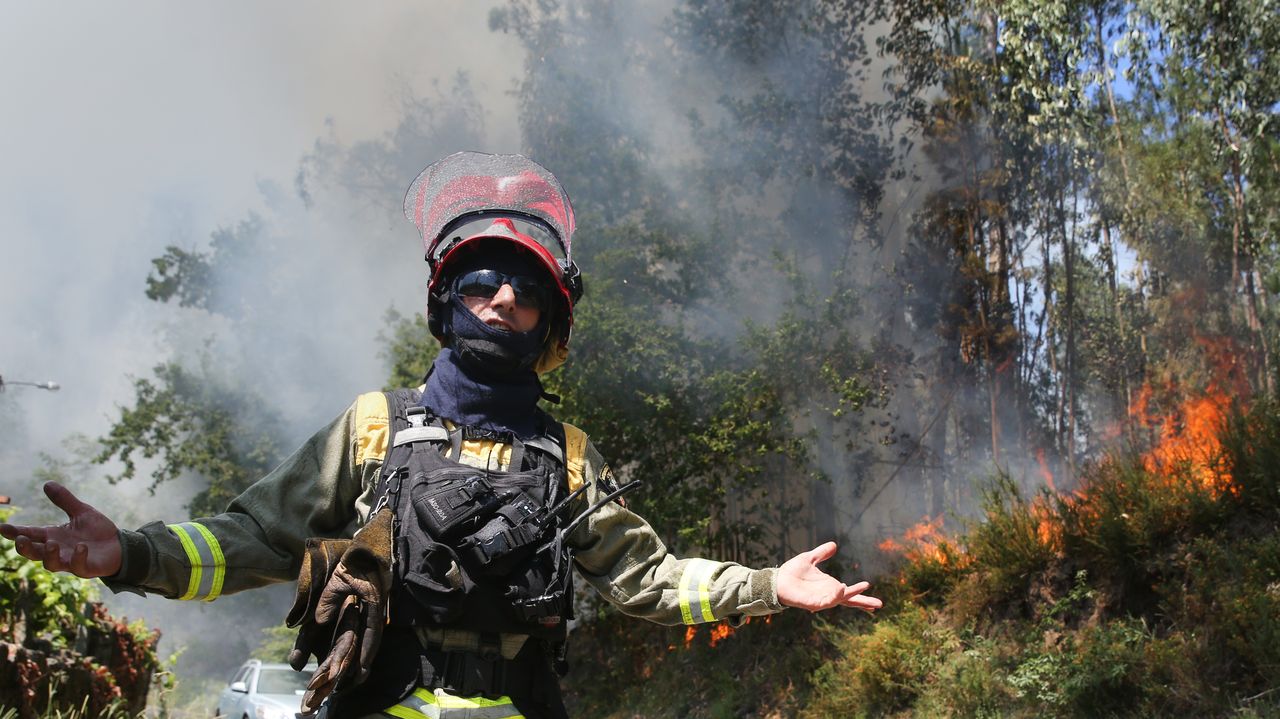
pixel 1220 63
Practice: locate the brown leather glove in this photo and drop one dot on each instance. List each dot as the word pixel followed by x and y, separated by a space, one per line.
pixel 354 603
pixel 319 561
pixel 336 667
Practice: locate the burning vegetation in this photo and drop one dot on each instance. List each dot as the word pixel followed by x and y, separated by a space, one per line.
pixel 1153 588
pixel 1179 450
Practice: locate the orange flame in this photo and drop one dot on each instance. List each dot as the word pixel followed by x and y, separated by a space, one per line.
pixel 1185 448
pixel 1044 471
pixel 1048 529
pixel 1186 437
pixel 924 541
pixel 689 634
pixel 720 632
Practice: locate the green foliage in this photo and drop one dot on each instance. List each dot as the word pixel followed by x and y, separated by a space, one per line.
pixel 968 684
pixel 622 668
pixel 1251 458
pixel 1127 514
pixel 408 347
pixel 190 278
pixel 1008 543
pixel 1234 595
pixel 191 425
pixel 164 684
pixel 277 642
pixel 190 417
pixel 48 605
pixel 885 670
pixel 180 274
pixel 55 617
pixel 931 577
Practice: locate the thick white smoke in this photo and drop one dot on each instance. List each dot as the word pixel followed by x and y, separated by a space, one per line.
pixel 129 127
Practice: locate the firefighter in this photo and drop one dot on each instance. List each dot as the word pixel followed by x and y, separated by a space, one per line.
pixel 432 530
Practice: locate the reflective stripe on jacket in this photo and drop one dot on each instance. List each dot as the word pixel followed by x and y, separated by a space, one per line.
pixel 439 704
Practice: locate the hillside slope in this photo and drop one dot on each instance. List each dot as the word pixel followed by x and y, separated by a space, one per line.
pixel 1154 590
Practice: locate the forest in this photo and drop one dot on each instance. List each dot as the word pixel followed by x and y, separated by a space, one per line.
pixel 985 291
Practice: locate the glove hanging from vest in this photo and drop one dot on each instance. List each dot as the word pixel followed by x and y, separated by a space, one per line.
pixel 319 561
pixel 353 607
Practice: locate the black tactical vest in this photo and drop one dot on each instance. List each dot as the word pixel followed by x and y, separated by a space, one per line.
pixel 477 549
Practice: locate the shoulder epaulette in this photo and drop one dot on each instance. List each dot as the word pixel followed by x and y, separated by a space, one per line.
pixel 372 427
pixel 575 461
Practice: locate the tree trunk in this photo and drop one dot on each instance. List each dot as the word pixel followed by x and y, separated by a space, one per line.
pixel 1125 397
pixel 1242 261
pixel 1068 300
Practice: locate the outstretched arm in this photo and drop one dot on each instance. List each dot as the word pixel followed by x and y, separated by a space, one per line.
pixel 87 545
pixel 802 585
pixel 318 491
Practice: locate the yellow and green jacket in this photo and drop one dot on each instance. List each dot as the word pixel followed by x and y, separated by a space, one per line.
pixel 326 489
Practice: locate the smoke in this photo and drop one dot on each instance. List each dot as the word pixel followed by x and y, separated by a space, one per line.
pixel 130 128
pixel 760 134
pixel 769 138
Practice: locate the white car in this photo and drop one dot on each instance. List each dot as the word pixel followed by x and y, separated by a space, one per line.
pixel 263 691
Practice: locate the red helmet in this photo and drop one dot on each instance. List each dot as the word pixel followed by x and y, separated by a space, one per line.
pixel 470 196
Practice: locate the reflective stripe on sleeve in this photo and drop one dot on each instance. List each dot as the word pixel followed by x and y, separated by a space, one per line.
pixel 695 591
pixel 428 704
pixel 204 555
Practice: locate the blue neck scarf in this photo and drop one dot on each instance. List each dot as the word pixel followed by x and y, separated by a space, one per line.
pixel 462 389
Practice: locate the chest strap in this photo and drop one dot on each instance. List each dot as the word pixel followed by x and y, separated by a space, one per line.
pixel 377 420
pixel 419 430
pixel 431 433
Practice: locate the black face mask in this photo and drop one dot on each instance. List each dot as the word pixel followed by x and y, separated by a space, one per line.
pixel 491 351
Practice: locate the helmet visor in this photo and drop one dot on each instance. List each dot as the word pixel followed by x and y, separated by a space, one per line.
pixel 466 184
pixel 504 225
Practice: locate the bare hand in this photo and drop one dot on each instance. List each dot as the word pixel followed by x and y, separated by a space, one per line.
pixel 88 545
pixel 802 585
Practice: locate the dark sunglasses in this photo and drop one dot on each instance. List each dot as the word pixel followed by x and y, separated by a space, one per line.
pixel 529 291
